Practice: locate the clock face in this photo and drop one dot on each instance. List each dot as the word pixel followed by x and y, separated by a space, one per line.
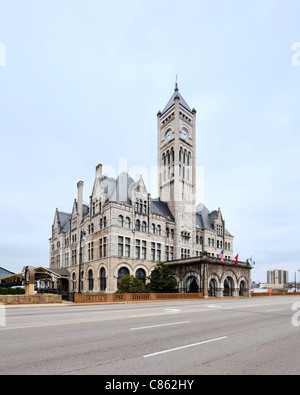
pixel 184 134
pixel 169 134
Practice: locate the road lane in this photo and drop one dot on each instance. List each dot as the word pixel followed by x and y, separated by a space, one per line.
pixel 99 339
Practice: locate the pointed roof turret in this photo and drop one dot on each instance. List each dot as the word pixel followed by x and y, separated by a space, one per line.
pixel 171 102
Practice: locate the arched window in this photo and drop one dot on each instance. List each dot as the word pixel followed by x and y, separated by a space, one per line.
pixel 74 281
pixel 127 223
pixel 91 280
pixel 144 226
pixel 158 230
pixel 141 275
pixel 172 234
pixel 153 229
pixel 120 221
pixel 102 279
pixel 137 224
pixel 167 233
pixel 81 280
pixel 122 272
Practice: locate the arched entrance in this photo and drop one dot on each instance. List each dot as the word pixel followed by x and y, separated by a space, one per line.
pixel 228 287
pixel 212 288
pixel 243 289
pixel 192 285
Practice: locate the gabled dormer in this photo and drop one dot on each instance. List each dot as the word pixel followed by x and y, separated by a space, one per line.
pixel 139 196
pixel 74 216
pixel 56 225
pixel 219 224
pixel 98 197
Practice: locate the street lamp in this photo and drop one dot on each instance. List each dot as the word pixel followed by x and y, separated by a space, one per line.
pixel 82 237
pixel 298 270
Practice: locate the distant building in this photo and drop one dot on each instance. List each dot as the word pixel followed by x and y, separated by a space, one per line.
pixel 277 278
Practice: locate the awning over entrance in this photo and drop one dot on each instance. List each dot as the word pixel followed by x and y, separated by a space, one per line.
pixel 42 275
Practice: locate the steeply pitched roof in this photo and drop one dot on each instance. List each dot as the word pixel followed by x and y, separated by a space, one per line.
pixel 64 219
pixel 162 208
pixel 205 218
pixel 118 190
pixel 171 102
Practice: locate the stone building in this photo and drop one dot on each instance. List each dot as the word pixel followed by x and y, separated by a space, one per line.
pixel 123 230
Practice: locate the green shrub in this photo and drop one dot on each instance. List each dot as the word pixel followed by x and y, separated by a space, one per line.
pixel 12 291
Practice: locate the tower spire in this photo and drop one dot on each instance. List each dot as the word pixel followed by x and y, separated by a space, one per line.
pixel 176 84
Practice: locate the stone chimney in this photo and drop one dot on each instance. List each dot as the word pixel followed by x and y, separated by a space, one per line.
pixel 80 199
pixel 99 171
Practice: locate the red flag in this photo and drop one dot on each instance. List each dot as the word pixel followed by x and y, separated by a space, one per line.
pixel 236 259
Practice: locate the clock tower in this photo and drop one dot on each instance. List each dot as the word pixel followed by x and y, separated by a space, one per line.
pixel 177 169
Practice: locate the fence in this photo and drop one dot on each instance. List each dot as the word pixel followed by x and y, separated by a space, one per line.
pixel 274 293
pixel 110 298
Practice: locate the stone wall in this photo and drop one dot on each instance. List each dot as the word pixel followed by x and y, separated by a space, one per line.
pixel 29 299
pixel 117 298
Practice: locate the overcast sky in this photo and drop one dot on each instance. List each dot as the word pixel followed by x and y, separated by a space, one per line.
pixel 81 83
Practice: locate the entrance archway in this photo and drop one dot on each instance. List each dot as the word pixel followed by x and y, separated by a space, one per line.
pixel 192 285
pixel 228 287
pixel 242 291
pixel 212 288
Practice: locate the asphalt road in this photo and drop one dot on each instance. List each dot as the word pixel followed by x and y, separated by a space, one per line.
pixel 234 336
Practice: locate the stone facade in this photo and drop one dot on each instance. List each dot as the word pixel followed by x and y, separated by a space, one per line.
pixel 213 278
pixel 124 230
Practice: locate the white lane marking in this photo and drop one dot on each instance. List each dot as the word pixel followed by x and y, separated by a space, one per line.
pixel 172 310
pixel 187 346
pixel 269 311
pixel 214 307
pixel 156 326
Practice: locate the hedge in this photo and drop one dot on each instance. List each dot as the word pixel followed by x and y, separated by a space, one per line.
pixel 12 291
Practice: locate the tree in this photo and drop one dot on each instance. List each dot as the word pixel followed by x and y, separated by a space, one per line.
pixel 162 280
pixel 131 285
